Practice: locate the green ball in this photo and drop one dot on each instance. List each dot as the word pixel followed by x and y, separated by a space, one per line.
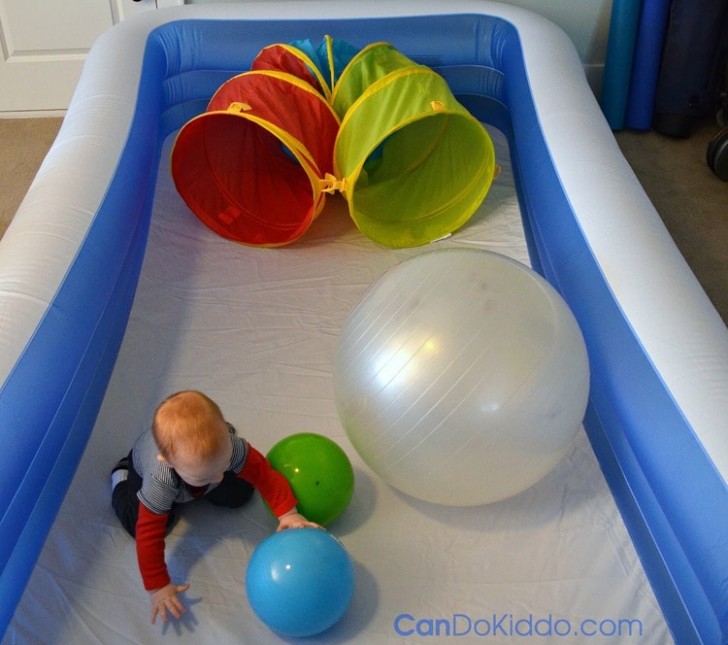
pixel 319 472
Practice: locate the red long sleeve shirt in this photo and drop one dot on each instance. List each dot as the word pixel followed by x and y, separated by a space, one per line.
pixel 151 527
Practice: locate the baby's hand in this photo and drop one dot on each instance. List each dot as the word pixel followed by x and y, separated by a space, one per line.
pixel 294 520
pixel 166 600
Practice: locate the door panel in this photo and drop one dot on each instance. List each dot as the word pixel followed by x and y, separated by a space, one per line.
pixel 43 44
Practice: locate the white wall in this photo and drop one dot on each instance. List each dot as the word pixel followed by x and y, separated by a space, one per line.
pixel 585 21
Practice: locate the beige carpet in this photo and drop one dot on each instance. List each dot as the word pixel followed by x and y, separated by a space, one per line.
pixel 23 145
pixel 692 201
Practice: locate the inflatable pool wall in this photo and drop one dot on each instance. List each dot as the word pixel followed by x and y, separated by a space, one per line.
pixel 70 261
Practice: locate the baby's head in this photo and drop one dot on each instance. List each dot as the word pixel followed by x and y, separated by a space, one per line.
pixel 192 436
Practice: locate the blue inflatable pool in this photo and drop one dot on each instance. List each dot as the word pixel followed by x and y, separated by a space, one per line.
pixel 70 264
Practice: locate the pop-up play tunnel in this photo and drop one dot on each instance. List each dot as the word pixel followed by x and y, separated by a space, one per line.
pixel 251 166
pixel 413 163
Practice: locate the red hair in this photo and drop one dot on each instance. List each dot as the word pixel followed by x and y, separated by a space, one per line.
pixel 192 419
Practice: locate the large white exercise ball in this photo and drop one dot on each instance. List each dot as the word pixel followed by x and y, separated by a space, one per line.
pixel 461 377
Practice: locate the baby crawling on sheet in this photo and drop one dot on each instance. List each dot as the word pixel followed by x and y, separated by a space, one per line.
pixel 189 452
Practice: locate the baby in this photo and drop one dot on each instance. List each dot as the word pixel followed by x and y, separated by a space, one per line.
pixel 190 452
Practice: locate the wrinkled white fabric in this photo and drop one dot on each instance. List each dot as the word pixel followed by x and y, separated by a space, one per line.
pixel 256 329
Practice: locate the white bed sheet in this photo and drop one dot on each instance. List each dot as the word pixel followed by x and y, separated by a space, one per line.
pixel 257 329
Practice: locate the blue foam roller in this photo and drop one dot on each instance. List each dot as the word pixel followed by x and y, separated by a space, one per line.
pixel 646 67
pixel 618 65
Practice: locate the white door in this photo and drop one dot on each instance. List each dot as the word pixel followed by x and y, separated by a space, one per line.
pixel 43 44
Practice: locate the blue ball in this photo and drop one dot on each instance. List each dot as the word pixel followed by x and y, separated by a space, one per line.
pixel 300 581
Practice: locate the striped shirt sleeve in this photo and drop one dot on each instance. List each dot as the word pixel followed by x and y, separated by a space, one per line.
pixel 160 489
